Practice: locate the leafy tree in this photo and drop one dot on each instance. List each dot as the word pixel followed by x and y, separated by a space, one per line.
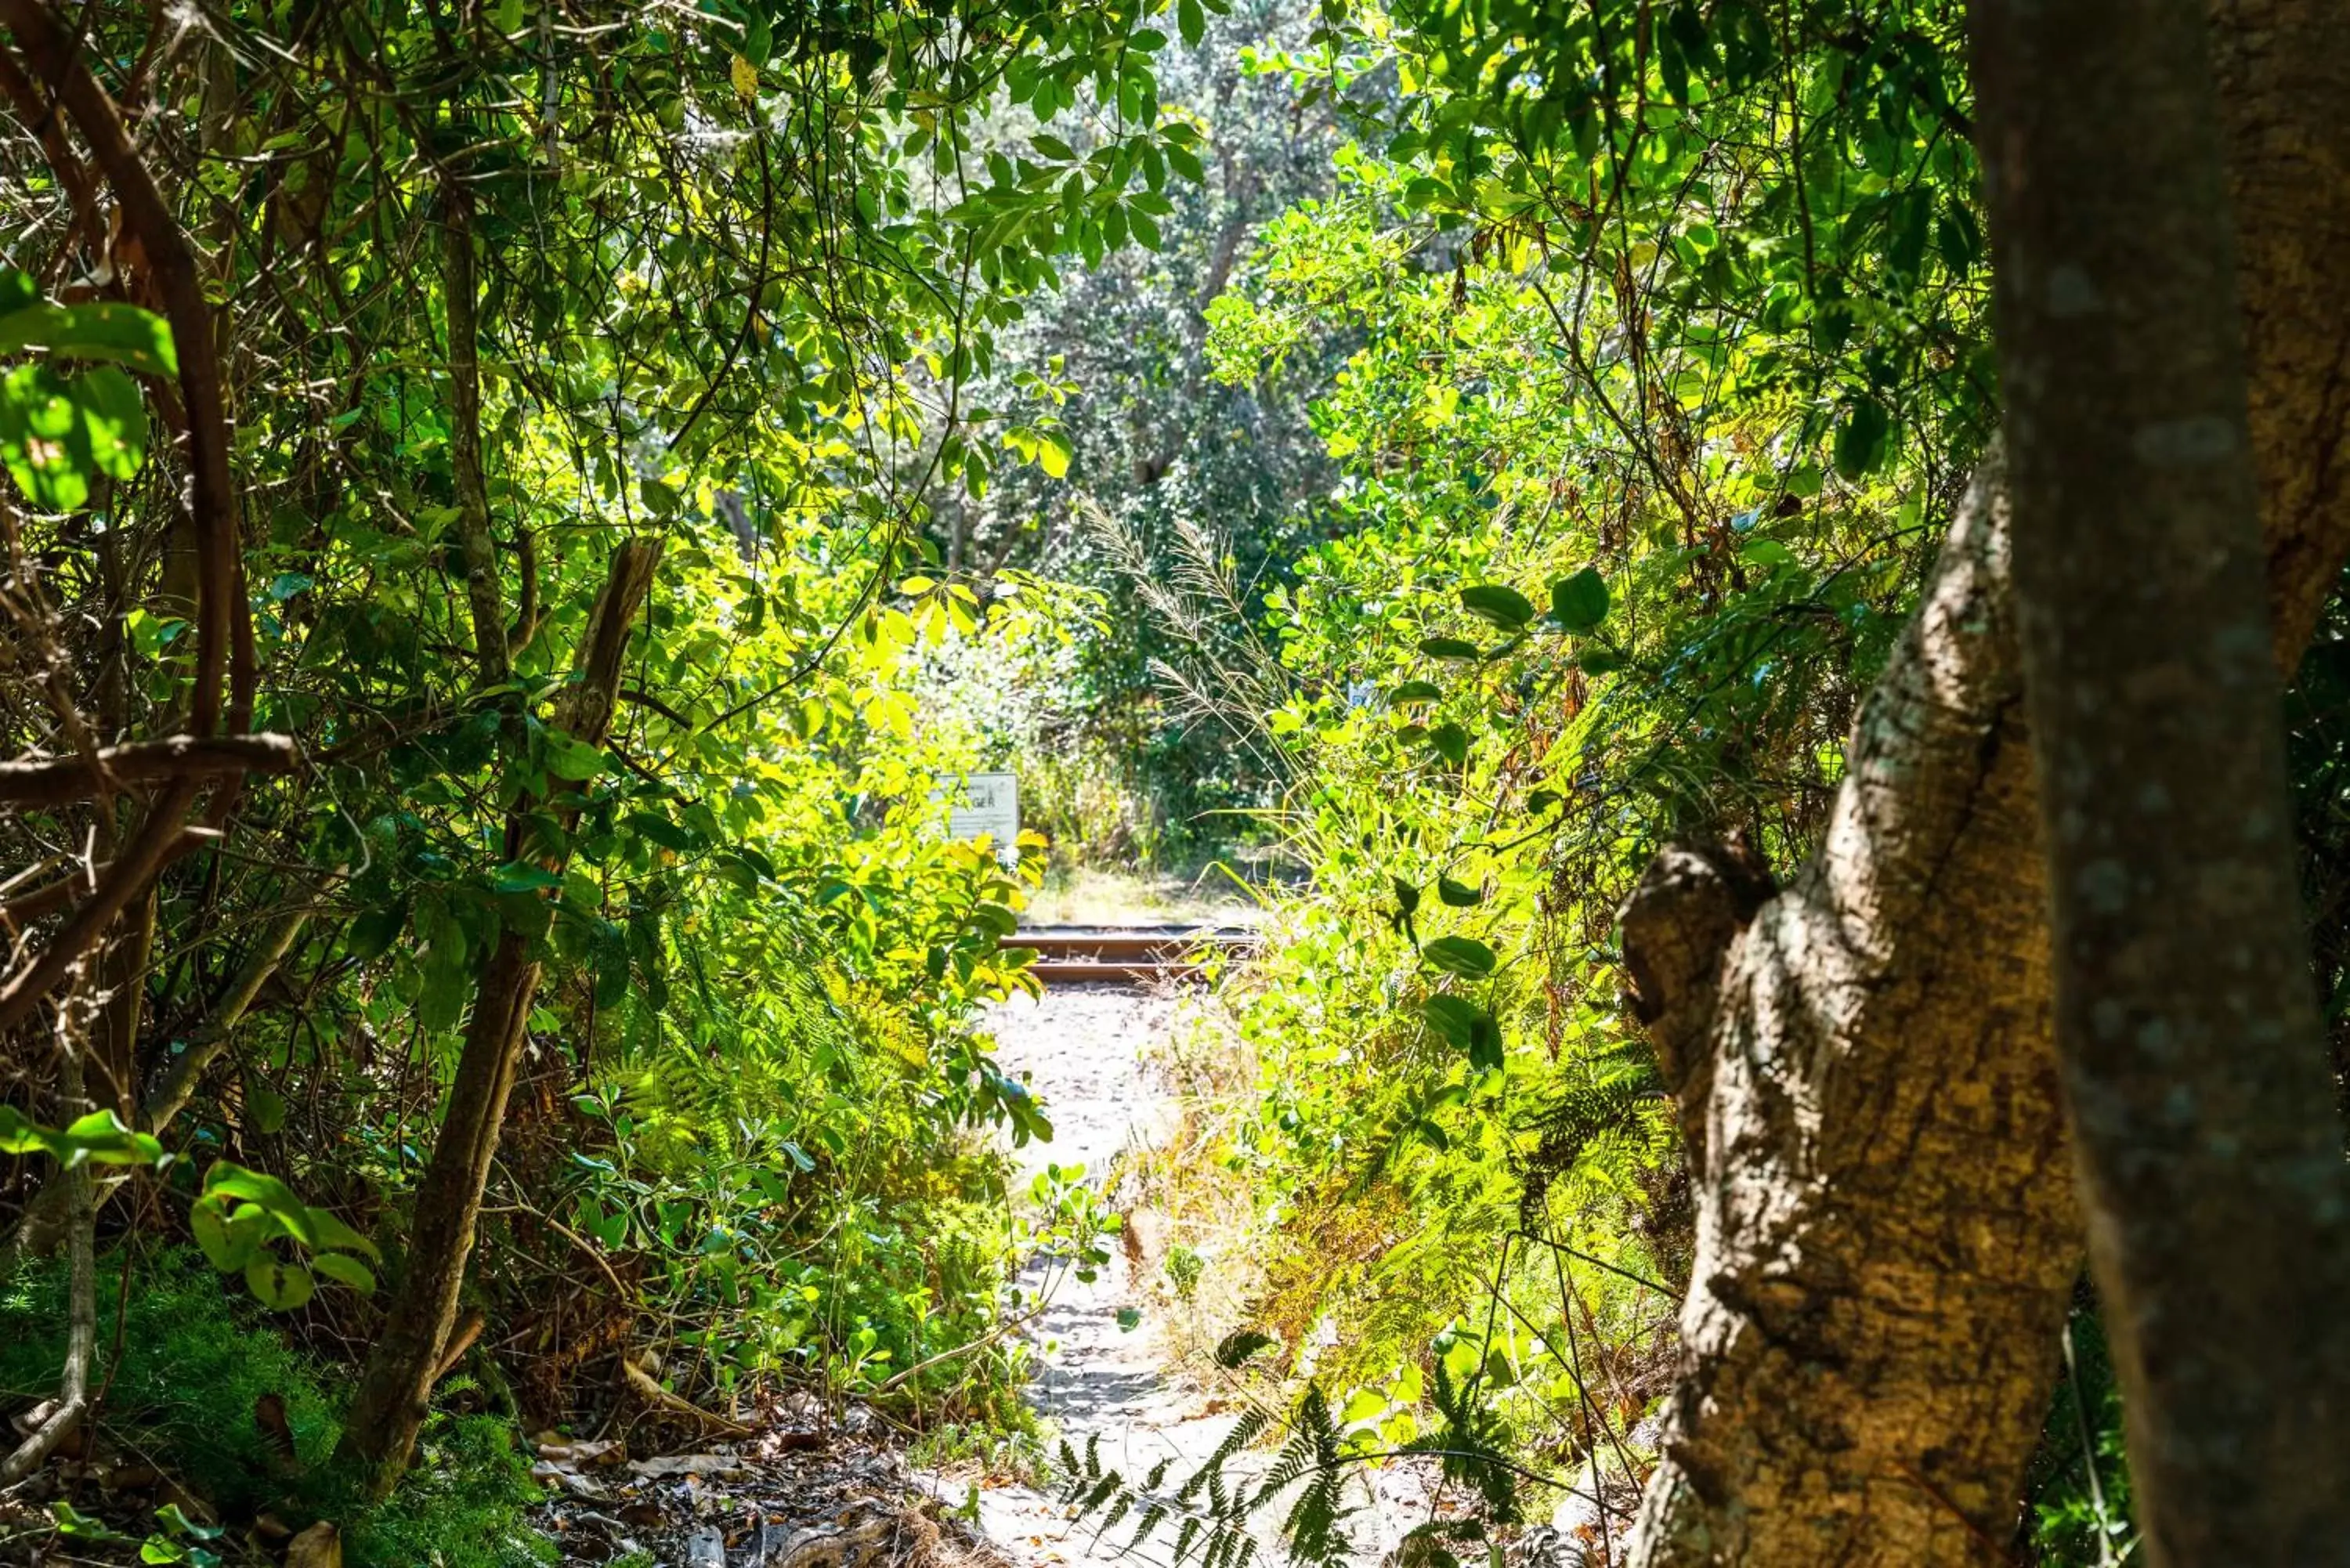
pixel 588 366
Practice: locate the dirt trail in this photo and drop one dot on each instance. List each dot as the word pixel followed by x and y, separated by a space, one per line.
pixel 1085 1052
pixel 1088 1054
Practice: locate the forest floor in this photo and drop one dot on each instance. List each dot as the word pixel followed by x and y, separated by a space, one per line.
pixel 1108 1367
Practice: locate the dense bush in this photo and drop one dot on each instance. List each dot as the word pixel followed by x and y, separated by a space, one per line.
pixel 206 1388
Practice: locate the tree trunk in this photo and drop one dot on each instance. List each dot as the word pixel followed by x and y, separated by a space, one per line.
pixel 2195 1072
pixel 459 288
pixel 1886 1228
pixel 395 1390
pixel 1886 1236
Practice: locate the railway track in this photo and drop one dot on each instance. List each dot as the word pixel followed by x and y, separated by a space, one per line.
pixel 1126 955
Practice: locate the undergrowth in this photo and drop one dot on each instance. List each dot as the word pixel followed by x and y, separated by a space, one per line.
pixel 195 1383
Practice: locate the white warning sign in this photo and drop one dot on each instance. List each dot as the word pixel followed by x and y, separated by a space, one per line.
pixel 986 803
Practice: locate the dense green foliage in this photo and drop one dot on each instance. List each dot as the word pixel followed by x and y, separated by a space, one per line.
pixel 1447 450
pixel 1635 493
pixel 500 297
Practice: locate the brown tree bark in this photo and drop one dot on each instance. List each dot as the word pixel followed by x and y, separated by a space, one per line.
pixel 2196 1077
pixel 1886 1232
pixel 1886 1227
pixel 395 1389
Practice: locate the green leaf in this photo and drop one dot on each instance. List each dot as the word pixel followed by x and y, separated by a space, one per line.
pixel 225 1180
pixel 372 934
pixel 122 334
pixel 333 1232
pixel 1450 741
pixel 520 877
pixel 344 1269
pixel 78 1526
pixel 1498 604
pixel 1579 603
pixel 1191 21
pixel 442 1001
pixel 113 420
pixel 1053 454
pixel 1449 648
pixel 102 1139
pixel 18 1135
pixel 1233 1351
pixel 278 1285
pixel 571 759
pixel 1455 1018
pixel 225 1246
pixel 1861 440
pixel 1416 691
pixel 1407 896
pixel 1463 1024
pixel 662 830
pixel 1464 955
pixel 177 1522
pixel 612 964
pixel 1054 147
pixel 1459 895
pixel 267 1108
pixel 660 499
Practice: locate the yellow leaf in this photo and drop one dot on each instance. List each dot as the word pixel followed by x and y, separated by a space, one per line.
pixel 746 78
pixel 1053 451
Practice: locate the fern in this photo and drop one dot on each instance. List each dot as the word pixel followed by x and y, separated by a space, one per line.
pixel 1472 1444
pixel 1613 1111
pixel 1219 1515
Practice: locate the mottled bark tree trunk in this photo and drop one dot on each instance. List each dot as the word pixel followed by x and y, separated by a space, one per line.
pixel 1885 1230
pixel 1886 1226
pixel 396 1388
pixel 2196 1077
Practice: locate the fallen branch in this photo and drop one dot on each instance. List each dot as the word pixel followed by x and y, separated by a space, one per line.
pixel 469 1329
pixel 640 1381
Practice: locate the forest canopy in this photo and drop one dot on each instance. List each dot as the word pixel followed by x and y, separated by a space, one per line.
pixel 1745 596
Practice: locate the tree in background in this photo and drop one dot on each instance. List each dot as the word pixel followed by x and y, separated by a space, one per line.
pixel 1150 460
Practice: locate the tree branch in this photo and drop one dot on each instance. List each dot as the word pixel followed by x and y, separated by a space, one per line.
pixel 60 781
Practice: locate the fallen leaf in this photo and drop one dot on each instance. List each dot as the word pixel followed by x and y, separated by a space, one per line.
pixel 726 1466
pixel 320 1546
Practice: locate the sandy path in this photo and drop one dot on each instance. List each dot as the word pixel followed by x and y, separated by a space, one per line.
pixel 1084 1051
pixel 1087 1052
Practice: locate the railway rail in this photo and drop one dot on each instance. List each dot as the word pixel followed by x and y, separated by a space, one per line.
pixel 1128 955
